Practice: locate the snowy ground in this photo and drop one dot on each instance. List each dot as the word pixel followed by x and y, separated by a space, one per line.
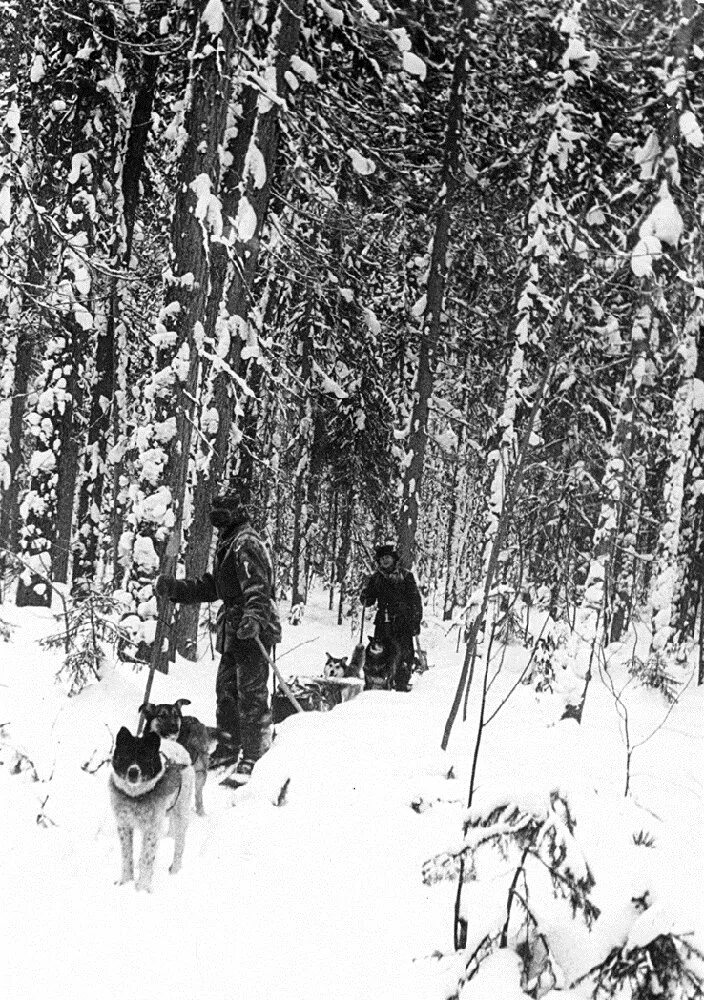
pixel 321 897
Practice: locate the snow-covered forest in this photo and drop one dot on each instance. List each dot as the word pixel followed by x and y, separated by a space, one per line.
pixel 428 269
pixel 419 270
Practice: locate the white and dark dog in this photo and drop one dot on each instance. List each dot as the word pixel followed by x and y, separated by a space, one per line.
pixel 151 788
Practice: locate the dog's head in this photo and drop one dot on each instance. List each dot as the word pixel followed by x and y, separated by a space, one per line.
pixel 335 666
pixel 376 649
pixel 136 761
pixel 164 719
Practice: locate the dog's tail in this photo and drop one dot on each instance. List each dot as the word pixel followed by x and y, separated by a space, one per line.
pixel 222 736
pixel 219 737
pixel 357 660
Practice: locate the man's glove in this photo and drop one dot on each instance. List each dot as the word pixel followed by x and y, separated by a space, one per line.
pixel 164 585
pixel 249 629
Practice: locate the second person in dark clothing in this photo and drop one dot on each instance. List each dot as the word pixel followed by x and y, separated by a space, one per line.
pixel 399 608
pixel 242 578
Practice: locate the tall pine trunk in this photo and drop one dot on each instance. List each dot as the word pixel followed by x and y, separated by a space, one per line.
pixel 246 193
pixel 105 418
pixel 344 552
pixel 180 333
pixel 433 318
pixel 25 350
pixel 598 590
pixel 301 472
pixel 48 508
pixel 665 576
pixel 20 275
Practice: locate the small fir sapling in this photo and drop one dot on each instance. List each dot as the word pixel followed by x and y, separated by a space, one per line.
pixel 510 622
pixel 655 672
pixel 530 838
pixel 663 967
pixel 550 660
pixel 88 622
pixel 509 848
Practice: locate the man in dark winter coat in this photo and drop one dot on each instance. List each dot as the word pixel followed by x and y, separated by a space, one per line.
pixel 242 578
pixel 399 607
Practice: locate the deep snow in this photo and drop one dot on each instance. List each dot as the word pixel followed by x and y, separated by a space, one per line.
pixel 322 897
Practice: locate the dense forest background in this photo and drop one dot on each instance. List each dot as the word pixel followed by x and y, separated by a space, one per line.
pixel 427 270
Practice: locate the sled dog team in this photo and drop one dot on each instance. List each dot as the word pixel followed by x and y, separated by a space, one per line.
pixel 155 777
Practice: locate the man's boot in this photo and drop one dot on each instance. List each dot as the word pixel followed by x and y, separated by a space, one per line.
pixel 402 681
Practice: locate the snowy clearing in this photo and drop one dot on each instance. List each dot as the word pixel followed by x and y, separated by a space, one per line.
pixel 323 896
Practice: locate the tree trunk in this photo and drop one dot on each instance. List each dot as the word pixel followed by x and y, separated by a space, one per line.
pixel 246 195
pixel 343 558
pixel 23 365
pixel 200 535
pixel 433 317
pixel 663 593
pixel 333 548
pixel 221 394
pixel 180 329
pixel 301 473
pixel 600 578
pixel 17 226
pixel 48 507
pixel 457 502
pixel 665 584
pixel 104 409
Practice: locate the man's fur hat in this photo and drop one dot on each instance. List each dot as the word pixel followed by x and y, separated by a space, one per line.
pixel 229 505
pixel 387 549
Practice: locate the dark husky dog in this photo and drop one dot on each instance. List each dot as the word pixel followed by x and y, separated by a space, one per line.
pixel 198 739
pixel 151 782
pixel 381 663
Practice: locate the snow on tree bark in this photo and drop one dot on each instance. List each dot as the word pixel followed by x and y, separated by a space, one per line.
pixel 593 604
pixel 250 166
pixel 164 443
pixel 55 424
pixel 665 577
pixel 222 382
pixel 128 140
pixel 664 225
pixel 552 261
pixel 21 275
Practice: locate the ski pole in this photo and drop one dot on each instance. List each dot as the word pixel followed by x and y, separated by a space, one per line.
pixel 361 627
pixel 167 623
pixel 147 693
pixel 422 656
pixel 282 683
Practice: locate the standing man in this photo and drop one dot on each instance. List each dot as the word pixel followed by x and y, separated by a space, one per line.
pixel 242 578
pixel 399 608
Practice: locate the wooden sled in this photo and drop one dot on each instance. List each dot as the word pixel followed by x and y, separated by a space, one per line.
pixel 315 694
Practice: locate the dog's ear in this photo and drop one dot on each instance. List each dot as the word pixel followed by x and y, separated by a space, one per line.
pixel 181 701
pixel 124 736
pixel 148 710
pixel 152 739
pixel 328 657
pixel 343 661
